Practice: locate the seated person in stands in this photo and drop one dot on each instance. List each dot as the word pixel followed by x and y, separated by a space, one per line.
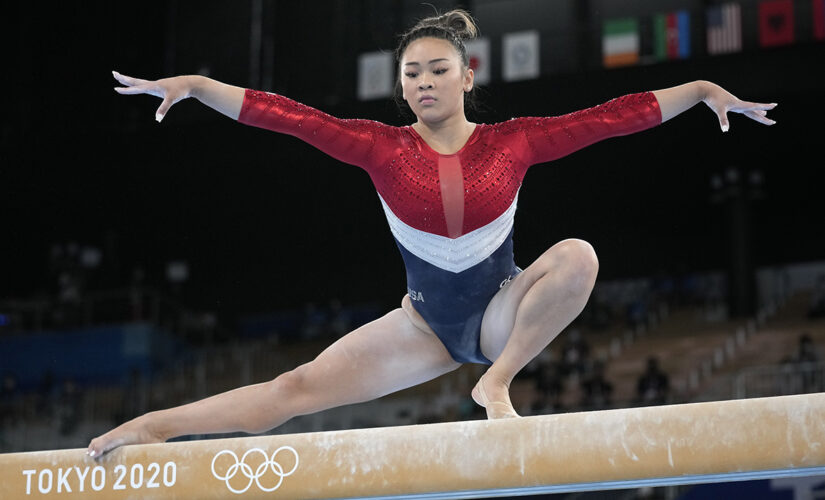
pixel 807 350
pixel 597 392
pixel 653 387
pixel 817 307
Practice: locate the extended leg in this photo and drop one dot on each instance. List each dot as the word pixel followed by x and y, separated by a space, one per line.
pixel 381 357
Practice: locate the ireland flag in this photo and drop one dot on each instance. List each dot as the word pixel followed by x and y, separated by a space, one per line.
pixel 620 42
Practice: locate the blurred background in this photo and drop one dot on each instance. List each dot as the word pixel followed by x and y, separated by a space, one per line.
pixel 145 265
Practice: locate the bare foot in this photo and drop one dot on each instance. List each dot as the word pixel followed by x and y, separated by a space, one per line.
pixel 135 431
pixel 494 397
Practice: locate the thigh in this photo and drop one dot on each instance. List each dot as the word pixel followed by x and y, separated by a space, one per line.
pixel 500 315
pixel 381 357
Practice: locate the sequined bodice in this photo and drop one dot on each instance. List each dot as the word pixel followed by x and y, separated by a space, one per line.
pixel 450 195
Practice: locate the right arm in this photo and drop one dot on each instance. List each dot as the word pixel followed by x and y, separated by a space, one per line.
pixel 350 141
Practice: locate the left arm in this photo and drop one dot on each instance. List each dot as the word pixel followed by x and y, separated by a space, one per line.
pixel 675 100
pixel 546 139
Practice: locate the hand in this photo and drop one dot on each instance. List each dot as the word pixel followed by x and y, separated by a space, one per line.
pixel 135 431
pixel 721 102
pixel 171 90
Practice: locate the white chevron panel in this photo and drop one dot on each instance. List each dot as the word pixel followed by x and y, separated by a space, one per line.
pixel 453 254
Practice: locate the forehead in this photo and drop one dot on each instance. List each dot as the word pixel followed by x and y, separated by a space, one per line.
pixel 428 48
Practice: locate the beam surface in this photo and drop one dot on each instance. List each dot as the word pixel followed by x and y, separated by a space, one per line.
pixel 676 444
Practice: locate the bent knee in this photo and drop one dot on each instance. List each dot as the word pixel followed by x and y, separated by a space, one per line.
pixel 293 382
pixel 577 262
pixel 284 391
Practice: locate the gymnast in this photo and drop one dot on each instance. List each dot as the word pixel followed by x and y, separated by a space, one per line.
pixel 449 189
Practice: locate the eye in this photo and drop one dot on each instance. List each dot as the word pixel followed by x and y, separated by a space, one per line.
pixel 410 74
pixel 440 71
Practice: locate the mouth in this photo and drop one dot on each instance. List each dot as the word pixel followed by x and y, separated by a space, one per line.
pixel 427 99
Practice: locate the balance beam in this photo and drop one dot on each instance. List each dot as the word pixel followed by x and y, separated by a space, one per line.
pixel 652 446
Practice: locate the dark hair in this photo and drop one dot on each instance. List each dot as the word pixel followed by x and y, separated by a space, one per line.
pixel 455 26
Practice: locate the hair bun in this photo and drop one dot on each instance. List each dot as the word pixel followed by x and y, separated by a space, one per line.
pixel 461 23
pixel 457 21
pixel 455 26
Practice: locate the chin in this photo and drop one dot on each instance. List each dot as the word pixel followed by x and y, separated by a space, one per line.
pixel 431 115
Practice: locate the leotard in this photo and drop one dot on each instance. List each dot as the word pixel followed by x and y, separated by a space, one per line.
pixel 452 215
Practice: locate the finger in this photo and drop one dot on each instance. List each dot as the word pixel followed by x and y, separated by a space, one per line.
pixel 163 109
pixel 137 89
pixel 753 106
pixel 148 88
pixel 763 106
pixel 723 121
pixel 759 117
pixel 128 80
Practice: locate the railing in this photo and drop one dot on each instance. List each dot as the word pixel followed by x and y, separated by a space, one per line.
pixel 790 378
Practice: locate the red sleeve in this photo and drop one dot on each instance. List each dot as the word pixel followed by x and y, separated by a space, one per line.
pixel 350 141
pixel 547 139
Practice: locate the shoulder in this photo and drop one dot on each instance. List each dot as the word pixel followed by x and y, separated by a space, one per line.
pixel 381 129
pixel 519 125
pixel 286 106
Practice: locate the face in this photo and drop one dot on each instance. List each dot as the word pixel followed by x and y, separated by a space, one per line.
pixel 434 79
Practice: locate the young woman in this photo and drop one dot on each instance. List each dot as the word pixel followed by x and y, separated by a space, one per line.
pixel 449 189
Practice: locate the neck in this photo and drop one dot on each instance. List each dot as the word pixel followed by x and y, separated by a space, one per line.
pixel 446 136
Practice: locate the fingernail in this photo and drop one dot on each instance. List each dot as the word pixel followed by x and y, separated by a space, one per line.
pixel 725 128
pixel 158 117
pixel 92 453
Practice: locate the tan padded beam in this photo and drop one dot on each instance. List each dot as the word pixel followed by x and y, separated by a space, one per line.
pixel 659 444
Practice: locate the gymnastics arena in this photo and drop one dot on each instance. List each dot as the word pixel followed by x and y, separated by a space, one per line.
pixel 187 266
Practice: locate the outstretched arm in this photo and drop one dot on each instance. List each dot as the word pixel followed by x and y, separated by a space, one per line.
pixel 675 100
pixel 350 141
pixel 226 99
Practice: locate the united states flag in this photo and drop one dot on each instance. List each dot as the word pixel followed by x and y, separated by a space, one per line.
pixel 724 29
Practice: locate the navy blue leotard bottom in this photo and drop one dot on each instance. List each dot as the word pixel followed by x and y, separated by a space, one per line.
pixel 453 304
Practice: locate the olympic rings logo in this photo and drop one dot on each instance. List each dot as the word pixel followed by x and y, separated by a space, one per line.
pixel 241 466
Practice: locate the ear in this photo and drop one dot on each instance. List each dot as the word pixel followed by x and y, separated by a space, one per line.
pixel 469 79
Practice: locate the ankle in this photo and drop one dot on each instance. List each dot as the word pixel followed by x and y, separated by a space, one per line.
pixel 496 379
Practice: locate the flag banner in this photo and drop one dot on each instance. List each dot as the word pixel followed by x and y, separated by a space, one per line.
pixel 478 51
pixel 521 56
pixel 671 35
pixel 375 75
pixel 724 29
pixel 620 42
pixel 818 11
pixel 776 23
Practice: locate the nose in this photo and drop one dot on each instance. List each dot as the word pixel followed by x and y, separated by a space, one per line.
pixel 425 84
